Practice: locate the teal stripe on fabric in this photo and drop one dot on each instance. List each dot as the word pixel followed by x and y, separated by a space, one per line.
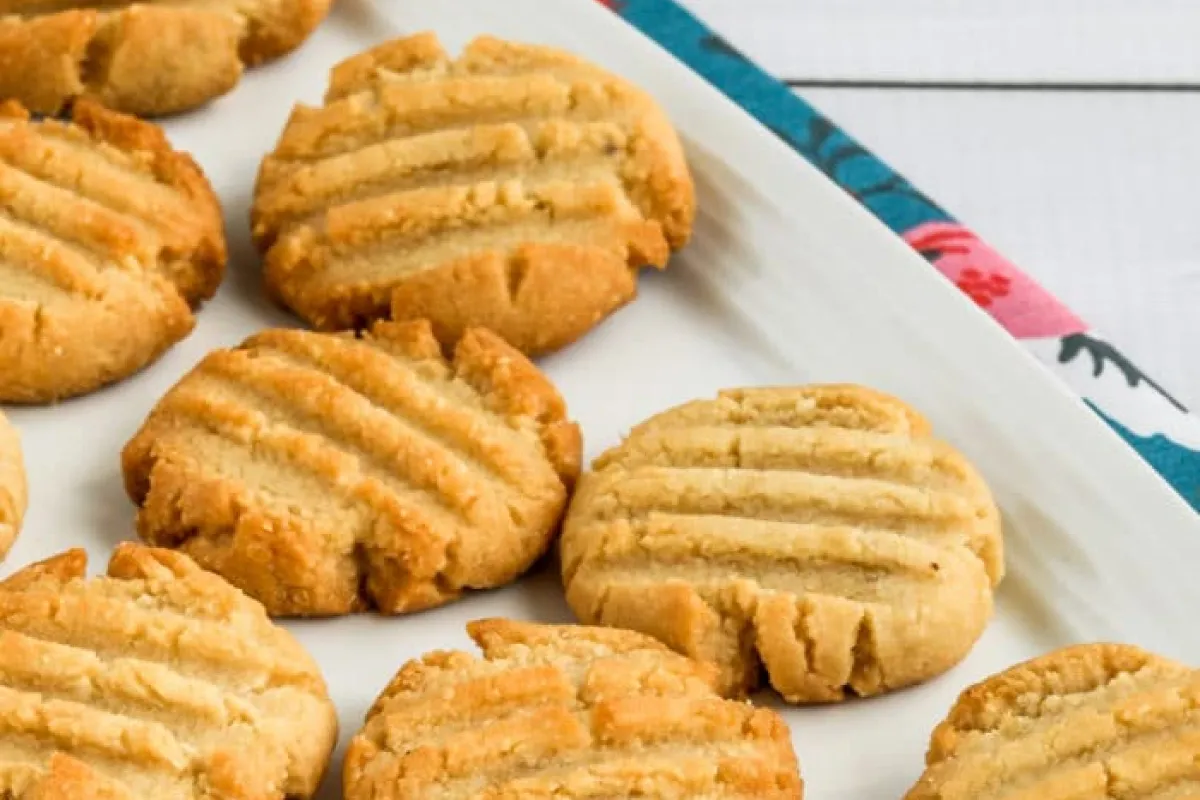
pixel 1179 465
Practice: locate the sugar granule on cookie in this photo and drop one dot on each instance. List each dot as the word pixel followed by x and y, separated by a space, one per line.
pixel 818 535
pixel 1088 721
pixel 108 241
pixel 565 711
pixel 517 188
pixel 13 489
pixel 142 58
pixel 328 473
pixel 156 680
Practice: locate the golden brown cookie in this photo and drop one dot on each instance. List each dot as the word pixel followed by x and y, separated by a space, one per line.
pixel 516 188
pixel 141 58
pixel 158 680
pixel 328 473
pixel 563 712
pixel 108 239
pixel 13 491
pixel 1091 721
pixel 819 532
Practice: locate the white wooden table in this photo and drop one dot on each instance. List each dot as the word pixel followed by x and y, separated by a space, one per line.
pixel 1065 158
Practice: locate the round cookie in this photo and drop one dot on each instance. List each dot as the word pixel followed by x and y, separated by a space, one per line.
pixel 1090 721
pixel 329 473
pixel 157 680
pixel 816 532
pixel 108 239
pixel 142 58
pixel 563 711
pixel 516 188
pixel 13 490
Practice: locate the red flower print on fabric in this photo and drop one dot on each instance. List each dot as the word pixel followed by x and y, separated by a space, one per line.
pixel 984 287
pixel 1025 309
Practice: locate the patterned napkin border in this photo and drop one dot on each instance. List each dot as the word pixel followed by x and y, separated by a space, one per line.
pixel 1145 415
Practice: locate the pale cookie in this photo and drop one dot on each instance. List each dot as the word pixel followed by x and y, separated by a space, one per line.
pixel 141 58
pixel 13 491
pixel 817 532
pixel 324 473
pixel 516 188
pixel 561 712
pixel 158 680
pixel 1090 722
pixel 108 239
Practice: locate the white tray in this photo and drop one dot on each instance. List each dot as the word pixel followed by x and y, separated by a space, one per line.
pixel 788 280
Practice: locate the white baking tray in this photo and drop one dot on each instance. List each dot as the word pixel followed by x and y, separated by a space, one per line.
pixel 788 280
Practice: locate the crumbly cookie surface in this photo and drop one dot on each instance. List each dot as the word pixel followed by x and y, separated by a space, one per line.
pixel 1091 721
pixel 327 473
pixel 13 490
pixel 564 711
pixel 157 680
pixel 142 58
pixel 516 188
pixel 108 239
pixel 817 532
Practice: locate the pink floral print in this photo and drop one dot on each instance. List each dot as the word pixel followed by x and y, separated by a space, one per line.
pixel 1026 310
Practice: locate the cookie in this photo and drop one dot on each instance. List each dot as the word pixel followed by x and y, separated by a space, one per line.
pixel 13 491
pixel 516 188
pixel 563 711
pixel 108 240
pixel 329 473
pixel 1089 721
pixel 141 58
pixel 157 680
pixel 818 532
